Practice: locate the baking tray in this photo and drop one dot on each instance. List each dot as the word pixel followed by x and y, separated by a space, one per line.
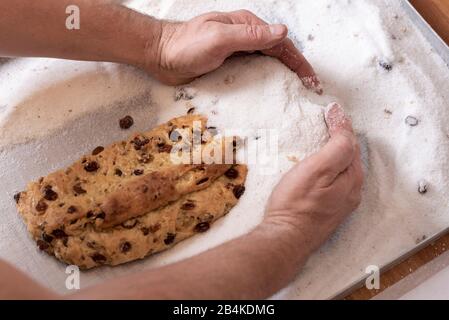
pixel 442 49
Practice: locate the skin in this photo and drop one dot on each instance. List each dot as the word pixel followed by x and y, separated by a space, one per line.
pixel 305 208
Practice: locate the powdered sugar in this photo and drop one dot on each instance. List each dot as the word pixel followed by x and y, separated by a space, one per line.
pixel 64 109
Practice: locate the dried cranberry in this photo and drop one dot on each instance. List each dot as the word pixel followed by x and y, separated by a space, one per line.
pixel 202 227
pixel 238 191
pixel 126 122
pixel 97 150
pixel 91 166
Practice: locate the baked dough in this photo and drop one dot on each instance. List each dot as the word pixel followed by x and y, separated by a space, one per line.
pixel 129 200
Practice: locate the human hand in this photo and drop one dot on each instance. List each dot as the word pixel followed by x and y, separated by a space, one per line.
pixel 317 194
pixel 190 49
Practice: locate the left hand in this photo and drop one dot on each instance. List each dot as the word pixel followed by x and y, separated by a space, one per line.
pixel 190 49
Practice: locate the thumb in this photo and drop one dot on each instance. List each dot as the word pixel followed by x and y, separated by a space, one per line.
pixel 246 37
pixel 338 154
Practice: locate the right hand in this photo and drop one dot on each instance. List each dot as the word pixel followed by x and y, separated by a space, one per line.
pixel 315 197
pixel 190 49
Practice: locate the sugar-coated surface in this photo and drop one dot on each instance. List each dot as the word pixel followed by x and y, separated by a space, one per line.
pixel 370 58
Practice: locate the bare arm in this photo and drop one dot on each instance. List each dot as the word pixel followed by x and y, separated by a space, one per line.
pixel 173 52
pixel 251 267
pixel 305 208
pixel 108 31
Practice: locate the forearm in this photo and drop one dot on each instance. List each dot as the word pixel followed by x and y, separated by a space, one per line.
pixel 108 31
pixel 254 266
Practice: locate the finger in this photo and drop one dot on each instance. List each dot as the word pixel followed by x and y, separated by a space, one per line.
pixel 289 55
pixel 336 119
pixel 246 37
pixel 286 51
pixel 341 150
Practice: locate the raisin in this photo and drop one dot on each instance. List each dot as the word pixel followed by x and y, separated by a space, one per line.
pixel 138 143
pixel 169 238
pixel 188 205
pixel 97 150
pixel 89 214
pixel 91 166
pixel 155 227
pixel 411 121
pixel 386 65
pixel 202 227
pixel 164 147
pixel 78 189
pixel 126 122
pixel 129 224
pixel 238 191
pixel 71 209
pixel 42 245
pixel 232 173
pixel 138 172
pixel 101 215
pixel 204 180
pixel 47 238
pixel 125 247
pixel 17 197
pixel 98 258
pixel 118 172
pixel 423 187
pixel 59 234
pixel 41 206
pixel 49 194
pixel 145 231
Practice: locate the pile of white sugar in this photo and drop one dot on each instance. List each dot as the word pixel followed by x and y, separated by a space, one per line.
pixel 370 58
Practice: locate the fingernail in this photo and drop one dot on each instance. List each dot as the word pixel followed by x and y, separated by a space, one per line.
pixel 336 118
pixel 278 30
pixel 313 83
